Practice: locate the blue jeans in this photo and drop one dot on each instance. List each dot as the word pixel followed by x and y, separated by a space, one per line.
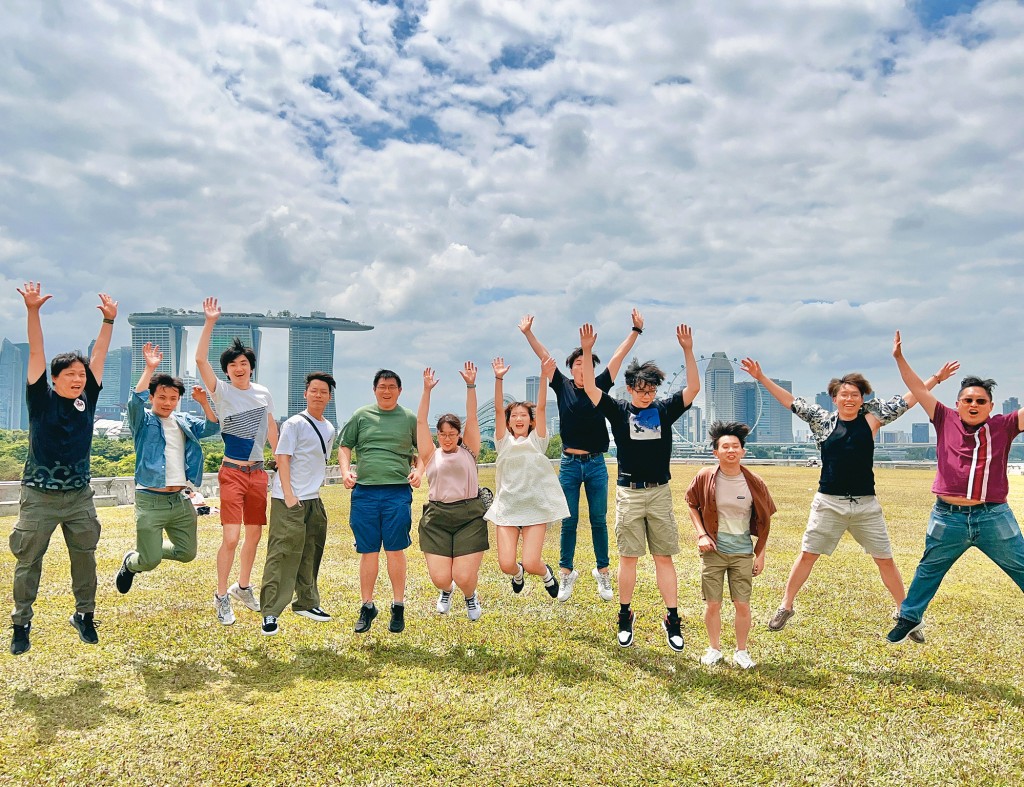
pixel 592 473
pixel 952 530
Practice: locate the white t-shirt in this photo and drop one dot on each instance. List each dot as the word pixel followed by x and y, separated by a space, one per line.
pixel 243 419
pixel 174 452
pixel 308 464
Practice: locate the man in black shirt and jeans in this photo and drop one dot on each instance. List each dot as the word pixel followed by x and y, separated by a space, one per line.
pixel 642 428
pixel 55 485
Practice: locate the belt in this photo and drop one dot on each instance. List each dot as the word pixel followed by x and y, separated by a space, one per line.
pixel 639 484
pixel 962 509
pixel 244 468
pixel 581 457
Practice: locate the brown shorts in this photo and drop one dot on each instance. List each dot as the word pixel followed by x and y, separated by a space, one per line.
pixel 714 567
pixel 243 496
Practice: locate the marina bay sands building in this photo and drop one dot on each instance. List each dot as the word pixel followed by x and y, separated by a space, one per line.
pixel 310 343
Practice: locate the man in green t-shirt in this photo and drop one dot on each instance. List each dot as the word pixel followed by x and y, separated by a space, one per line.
pixel 383 435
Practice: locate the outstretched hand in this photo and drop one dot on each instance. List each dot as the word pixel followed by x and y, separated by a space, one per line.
pixel 948 370
pixel 547 368
pixel 429 380
pixel 33 295
pixel 108 306
pixel 752 367
pixel 211 309
pixel 199 394
pixel 897 346
pixel 526 324
pixel 638 319
pixel 499 367
pixel 588 336
pixel 152 354
pixel 468 372
pixel 684 335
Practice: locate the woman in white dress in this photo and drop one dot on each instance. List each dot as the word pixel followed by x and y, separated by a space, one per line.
pixel 527 497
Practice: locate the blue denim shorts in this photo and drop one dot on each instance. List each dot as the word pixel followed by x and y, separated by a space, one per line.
pixel 381 516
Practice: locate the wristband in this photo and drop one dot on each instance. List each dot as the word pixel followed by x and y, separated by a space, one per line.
pixel 638 330
pixel 471 385
pixel 108 321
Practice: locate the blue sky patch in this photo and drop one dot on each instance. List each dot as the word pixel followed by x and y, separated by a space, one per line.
pixel 524 56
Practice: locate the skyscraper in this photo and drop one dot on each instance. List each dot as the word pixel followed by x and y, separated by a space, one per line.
pixel 824 401
pixel 309 350
pixel 747 406
pixel 12 385
pixel 719 394
pixel 920 434
pixel 776 424
pixel 533 389
pixel 117 383
pixel 1011 405
pixel 171 341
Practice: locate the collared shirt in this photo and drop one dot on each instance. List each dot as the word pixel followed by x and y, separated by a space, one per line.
pixel 701 495
pixel 972 459
pixel 151 447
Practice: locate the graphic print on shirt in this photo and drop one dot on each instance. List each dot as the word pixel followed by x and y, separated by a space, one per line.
pixel 239 431
pixel 645 425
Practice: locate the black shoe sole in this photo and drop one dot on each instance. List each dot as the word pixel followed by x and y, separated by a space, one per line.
pixel 905 637
pixel 552 589
pixel 396 626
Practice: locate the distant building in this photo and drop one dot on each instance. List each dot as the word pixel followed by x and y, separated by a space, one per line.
pixel 1011 405
pixel 533 389
pixel 748 403
pixel 893 437
pixel 117 382
pixel 13 378
pixel 921 434
pixel 719 392
pixel 776 423
pixel 309 350
pixel 824 401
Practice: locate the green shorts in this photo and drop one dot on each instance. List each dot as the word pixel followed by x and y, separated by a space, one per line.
pixel 714 567
pixel 643 517
pixel 453 529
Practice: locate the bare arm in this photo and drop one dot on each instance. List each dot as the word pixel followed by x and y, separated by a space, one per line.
pixel 753 368
pixel 685 338
pixel 424 441
pixel 918 389
pixel 500 370
pixel 471 432
pixel 615 362
pixel 199 395
pixel 152 356
pixel 348 475
pixel 547 369
pixel 34 299
pixel 588 337
pixel 211 310
pixel 705 543
pixel 272 433
pixel 526 326
pixel 108 308
pixel 284 472
pixel 948 370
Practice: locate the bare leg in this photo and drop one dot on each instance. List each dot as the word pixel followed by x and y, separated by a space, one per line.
pixel 508 544
pixel 440 569
pixel 713 623
pixel 891 578
pixel 466 571
pixel 797 576
pixel 627 578
pixel 742 623
pixel 533 547
pixel 248 557
pixel 396 573
pixel 668 584
pixel 226 556
pixel 369 565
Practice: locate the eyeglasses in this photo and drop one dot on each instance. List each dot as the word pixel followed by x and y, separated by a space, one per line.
pixel 969 400
pixel 646 391
pixel 387 388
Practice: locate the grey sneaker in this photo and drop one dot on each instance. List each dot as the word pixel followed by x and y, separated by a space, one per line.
pixel 780 619
pixel 473 608
pixel 223 606
pixel 565 584
pixel 245 596
pixel 604 584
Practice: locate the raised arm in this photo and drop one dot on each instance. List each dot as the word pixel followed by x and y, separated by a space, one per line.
pixel 948 370
pixel 919 390
pixel 36 354
pixel 500 370
pixel 684 335
pixel 753 368
pixel 615 362
pixel 588 337
pixel 547 371
pixel 152 356
pixel 471 431
pixel 424 440
pixel 526 326
pixel 108 308
pixel 199 395
pixel 272 433
pixel 211 310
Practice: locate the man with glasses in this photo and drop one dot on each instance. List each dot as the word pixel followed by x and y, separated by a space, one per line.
pixel 972 451
pixel 383 436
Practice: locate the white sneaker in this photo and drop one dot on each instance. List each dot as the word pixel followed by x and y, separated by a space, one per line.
pixel 444 601
pixel 245 596
pixel 742 659
pixel 604 584
pixel 712 657
pixel 473 608
pixel 565 584
pixel 223 606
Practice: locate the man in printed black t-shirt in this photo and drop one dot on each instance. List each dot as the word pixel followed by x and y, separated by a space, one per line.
pixel 584 443
pixel 642 429
pixel 55 484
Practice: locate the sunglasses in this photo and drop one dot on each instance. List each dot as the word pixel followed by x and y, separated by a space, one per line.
pixel 969 400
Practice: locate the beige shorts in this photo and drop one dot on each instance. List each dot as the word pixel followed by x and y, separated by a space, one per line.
pixel 714 567
pixel 644 518
pixel 832 515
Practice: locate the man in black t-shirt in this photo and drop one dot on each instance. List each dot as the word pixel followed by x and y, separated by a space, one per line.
pixel 642 428
pixel 584 443
pixel 55 484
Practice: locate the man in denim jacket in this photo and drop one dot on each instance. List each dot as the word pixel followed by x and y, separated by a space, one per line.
pixel 168 456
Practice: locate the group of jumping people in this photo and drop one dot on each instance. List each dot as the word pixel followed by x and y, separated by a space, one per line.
pixel 384 450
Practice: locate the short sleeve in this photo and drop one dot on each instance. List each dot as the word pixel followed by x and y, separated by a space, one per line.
pixel 350 434
pixel 92 385
pixel 541 443
pixel 604 380
pixel 888 410
pixel 286 439
pixel 36 393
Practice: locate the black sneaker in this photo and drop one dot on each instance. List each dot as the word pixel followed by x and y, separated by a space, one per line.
pixel 551 584
pixel 915 636
pixel 85 626
pixel 397 624
pixel 124 577
pixel 269 627
pixel 903 629
pixel 626 620
pixel 367 612
pixel 19 640
pixel 520 583
pixel 673 633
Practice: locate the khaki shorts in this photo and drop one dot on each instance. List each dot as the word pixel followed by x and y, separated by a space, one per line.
pixel 453 529
pixel 832 515
pixel 643 517
pixel 714 567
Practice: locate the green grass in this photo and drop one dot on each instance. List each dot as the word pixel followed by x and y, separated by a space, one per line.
pixel 535 693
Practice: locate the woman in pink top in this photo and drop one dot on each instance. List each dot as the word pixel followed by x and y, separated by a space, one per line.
pixel 452 531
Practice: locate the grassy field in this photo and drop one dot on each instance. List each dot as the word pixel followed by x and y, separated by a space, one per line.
pixel 536 693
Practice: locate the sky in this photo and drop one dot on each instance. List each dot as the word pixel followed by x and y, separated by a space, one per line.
pixel 795 180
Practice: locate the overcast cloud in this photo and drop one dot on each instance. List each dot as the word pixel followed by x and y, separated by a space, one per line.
pixel 796 180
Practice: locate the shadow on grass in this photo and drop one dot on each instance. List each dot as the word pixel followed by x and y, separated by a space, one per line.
pixel 164 679
pixel 82 708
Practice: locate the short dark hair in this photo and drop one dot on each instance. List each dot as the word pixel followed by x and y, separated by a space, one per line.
pixel 64 360
pixel 646 372
pixel 970 381
pixel 386 374
pixel 576 354
pixel 530 408
pixel 323 377
pixel 856 379
pixel 453 421
pixel 166 381
pixel 234 350
pixel 720 429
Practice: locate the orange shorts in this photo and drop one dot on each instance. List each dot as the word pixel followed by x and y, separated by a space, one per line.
pixel 243 496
